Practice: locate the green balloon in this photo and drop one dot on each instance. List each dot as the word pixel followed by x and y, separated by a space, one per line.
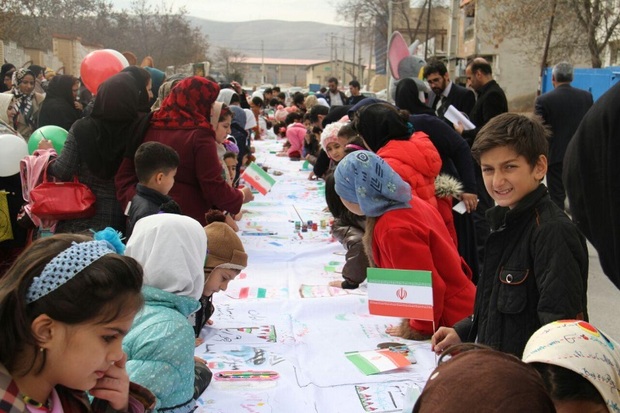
pixel 55 134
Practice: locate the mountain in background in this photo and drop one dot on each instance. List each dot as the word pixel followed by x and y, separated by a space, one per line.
pixel 277 38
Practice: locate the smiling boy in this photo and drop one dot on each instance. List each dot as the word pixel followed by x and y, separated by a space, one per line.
pixel 536 266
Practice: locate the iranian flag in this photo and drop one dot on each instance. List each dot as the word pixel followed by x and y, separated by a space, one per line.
pixel 400 293
pixel 258 178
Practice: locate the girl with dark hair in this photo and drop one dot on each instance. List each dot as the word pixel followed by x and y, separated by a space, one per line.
pixel 65 306
pixel 60 107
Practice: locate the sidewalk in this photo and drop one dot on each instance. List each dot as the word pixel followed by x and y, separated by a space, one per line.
pixel 603 298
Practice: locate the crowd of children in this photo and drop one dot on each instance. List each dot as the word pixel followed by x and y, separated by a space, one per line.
pixel 78 311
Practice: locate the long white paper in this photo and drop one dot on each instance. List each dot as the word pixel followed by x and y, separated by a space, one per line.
pixel 454 116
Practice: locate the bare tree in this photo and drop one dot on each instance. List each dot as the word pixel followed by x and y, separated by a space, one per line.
pixel 596 21
pixel 227 61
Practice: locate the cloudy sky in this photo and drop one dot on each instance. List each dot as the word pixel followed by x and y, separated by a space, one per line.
pixel 244 10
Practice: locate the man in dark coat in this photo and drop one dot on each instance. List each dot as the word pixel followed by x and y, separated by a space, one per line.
pixel 562 110
pixel 591 177
pixel 490 103
pixel 446 92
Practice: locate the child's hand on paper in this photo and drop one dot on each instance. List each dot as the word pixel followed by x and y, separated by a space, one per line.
pixel 198 342
pixel 470 201
pixel 444 338
pixel 337 284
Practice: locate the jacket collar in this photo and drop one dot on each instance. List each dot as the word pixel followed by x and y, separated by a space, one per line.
pixel 151 194
pixel 498 216
pixel 486 87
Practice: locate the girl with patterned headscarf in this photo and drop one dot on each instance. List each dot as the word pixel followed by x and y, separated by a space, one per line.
pixel 183 123
pixel 406 233
pixel 27 102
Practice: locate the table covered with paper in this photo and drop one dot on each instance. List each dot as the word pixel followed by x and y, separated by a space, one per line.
pixel 283 339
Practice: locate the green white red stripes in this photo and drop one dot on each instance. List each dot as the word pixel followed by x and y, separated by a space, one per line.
pixel 400 293
pixel 258 178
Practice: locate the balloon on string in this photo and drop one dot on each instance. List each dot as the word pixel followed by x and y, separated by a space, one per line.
pixel 119 56
pixel 53 133
pixel 99 65
pixel 13 149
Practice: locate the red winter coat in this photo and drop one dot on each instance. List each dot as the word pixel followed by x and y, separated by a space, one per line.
pixel 417 162
pixel 199 185
pixel 416 239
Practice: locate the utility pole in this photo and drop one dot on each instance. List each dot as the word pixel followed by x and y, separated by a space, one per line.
pixel 262 57
pixel 354 40
pixel 344 63
pixel 331 56
pixel 428 28
pixel 388 75
pixel 543 64
pixel 360 71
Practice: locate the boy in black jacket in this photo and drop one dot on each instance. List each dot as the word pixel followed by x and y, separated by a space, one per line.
pixel 536 265
pixel 156 165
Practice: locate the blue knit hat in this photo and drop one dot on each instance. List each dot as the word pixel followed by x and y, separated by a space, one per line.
pixel 364 178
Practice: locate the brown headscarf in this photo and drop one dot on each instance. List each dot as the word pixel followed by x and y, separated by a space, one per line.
pixel 484 381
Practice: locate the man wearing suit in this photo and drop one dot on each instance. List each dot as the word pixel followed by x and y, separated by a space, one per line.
pixel 562 110
pixel 491 102
pixel 446 92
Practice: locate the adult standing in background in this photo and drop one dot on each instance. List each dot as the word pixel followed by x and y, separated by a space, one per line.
pixel 334 97
pixel 447 92
pixel 60 107
pixel 490 103
pixel 562 109
pixel 356 94
pixel 27 102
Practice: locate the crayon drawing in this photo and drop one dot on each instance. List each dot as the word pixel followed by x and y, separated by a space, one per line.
pixel 382 397
pixel 242 335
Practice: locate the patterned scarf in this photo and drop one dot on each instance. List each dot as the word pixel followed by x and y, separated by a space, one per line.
pixel 365 179
pixel 188 106
pixel 23 102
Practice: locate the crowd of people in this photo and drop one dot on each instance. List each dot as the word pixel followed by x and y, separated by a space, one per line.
pixel 164 157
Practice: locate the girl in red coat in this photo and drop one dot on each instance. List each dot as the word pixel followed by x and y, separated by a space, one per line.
pixel 404 232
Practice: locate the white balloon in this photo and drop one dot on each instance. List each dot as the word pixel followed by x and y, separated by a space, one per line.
pixel 119 56
pixel 12 150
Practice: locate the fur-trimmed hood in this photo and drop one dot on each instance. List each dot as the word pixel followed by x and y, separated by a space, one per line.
pixel 447 186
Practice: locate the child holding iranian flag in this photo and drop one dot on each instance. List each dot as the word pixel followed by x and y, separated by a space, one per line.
pixel 405 233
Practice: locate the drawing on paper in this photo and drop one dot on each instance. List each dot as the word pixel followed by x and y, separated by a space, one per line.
pixel 382 397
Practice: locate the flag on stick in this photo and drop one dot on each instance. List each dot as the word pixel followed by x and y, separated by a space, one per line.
pixel 400 293
pixel 258 178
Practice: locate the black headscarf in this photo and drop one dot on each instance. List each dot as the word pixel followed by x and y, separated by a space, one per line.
pixel 58 108
pixel 103 136
pixel 7 67
pixel 407 98
pixel 141 79
pixel 380 123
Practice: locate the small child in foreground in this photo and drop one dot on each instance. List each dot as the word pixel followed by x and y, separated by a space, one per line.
pixel 65 306
pixel 156 165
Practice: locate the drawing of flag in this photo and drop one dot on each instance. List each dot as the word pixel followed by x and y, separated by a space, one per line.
pixel 258 178
pixel 377 361
pixel 400 293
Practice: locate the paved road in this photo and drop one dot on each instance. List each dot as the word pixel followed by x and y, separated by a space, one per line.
pixel 603 299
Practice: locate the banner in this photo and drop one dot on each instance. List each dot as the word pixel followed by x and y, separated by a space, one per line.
pixel 400 293
pixel 258 178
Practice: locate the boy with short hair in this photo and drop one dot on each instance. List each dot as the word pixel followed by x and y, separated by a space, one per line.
pixel 156 165
pixel 536 266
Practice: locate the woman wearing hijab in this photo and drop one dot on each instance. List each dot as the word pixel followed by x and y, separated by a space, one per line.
pixel 6 68
pixel 27 102
pixel 183 123
pixel 142 82
pixel 94 150
pixel 228 97
pixel 157 79
pixel 59 107
pixel 404 232
pixel 407 98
